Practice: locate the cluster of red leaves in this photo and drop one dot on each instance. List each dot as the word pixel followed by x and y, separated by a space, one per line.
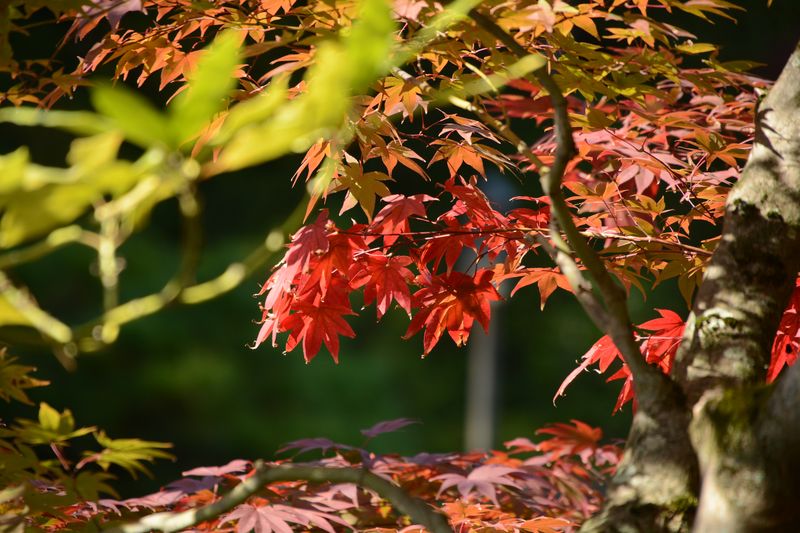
pixel 308 295
pixel 543 487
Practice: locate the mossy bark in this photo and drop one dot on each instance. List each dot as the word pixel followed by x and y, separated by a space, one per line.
pixel 716 449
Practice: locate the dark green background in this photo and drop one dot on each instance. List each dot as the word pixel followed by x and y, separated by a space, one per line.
pixel 186 375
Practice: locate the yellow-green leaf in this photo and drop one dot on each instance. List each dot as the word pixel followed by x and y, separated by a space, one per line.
pixel 369 42
pixel 50 419
pixel 696 48
pixel 133 115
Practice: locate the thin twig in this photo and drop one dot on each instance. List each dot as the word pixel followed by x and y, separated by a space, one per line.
pixel 56 239
pixel 48 325
pixel 478 232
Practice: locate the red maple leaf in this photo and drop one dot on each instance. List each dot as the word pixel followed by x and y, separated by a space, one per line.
pixel 384 278
pixel 392 220
pixel 785 346
pixel 473 203
pixel 662 344
pixel 309 242
pixel 452 302
pixel 342 247
pixel 319 319
pixel 449 244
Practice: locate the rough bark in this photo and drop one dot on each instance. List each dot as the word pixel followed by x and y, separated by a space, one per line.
pixel 719 440
pixel 723 361
pixel 656 484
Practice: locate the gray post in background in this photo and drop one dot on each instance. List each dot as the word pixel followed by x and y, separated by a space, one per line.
pixel 484 351
pixel 480 423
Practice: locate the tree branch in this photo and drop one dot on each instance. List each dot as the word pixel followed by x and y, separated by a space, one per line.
pixel 48 325
pixel 580 285
pixel 419 512
pixel 616 320
pixel 658 472
pixel 55 240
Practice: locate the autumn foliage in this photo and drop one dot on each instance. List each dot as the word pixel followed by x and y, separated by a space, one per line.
pixel 401 113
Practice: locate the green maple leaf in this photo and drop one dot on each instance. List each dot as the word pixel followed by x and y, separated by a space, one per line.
pixel 130 454
pixel 14 379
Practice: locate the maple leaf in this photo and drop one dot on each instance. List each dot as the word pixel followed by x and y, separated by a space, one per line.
pixel 153 501
pixel 658 348
pixel 401 97
pixel 395 152
pixel 312 160
pixel 576 439
pixel 482 480
pixel 520 445
pixel 452 302
pixel 14 379
pixel 455 154
pixel 306 445
pixel 392 219
pixel 454 238
pixel 546 279
pixel 316 323
pixel 473 203
pixel 387 426
pixel 362 188
pixel 662 344
pixel 96 10
pixel 384 278
pixel 545 524
pixel 532 218
pixel 409 9
pixel 233 467
pixel 307 243
pixel 337 261
pixel 269 518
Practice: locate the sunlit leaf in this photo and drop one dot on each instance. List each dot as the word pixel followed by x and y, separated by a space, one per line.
pixel 139 121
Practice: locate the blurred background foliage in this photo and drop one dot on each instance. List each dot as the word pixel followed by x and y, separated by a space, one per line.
pixel 186 374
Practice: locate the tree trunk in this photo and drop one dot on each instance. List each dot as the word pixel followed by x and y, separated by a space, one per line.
pixel 715 449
